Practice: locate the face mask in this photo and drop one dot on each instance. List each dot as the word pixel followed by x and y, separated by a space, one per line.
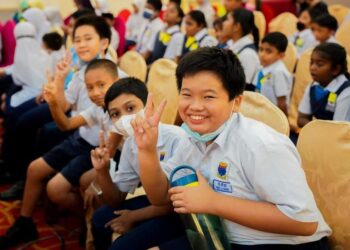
pixel 300 26
pixel 203 138
pixel 123 125
pixel 148 14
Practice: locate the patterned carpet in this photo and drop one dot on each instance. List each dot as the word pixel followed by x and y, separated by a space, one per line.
pixel 57 230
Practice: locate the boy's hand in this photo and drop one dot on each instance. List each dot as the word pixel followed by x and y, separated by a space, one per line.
pixel 146 129
pixel 100 155
pixel 50 90
pixel 193 199
pixel 123 223
pixel 63 67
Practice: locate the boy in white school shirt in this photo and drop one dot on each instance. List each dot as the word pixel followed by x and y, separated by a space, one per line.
pixel 249 174
pixel 273 80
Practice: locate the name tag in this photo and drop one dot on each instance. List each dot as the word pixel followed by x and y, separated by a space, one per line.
pixel 222 186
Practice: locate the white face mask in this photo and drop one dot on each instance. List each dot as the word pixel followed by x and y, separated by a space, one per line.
pixel 123 125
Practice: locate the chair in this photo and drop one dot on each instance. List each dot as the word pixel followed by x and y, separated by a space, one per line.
pixel 342 36
pixel 324 147
pixel 120 27
pixel 162 84
pixel 134 65
pixel 260 23
pixel 285 23
pixel 8 43
pixel 290 58
pixel 258 107
pixel 338 11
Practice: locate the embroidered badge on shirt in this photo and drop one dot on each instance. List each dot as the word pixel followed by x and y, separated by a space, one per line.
pixel 222 170
pixel 162 156
pixel 299 42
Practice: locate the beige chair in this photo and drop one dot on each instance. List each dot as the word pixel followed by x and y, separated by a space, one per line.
pixel 291 57
pixel 338 11
pixel 285 23
pixel 343 37
pixel 260 23
pixel 162 84
pixel 324 147
pixel 134 65
pixel 258 107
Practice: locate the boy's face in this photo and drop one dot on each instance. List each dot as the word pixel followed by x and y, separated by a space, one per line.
pixel 125 104
pixel 231 5
pixel 88 43
pixel 321 34
pixel 204 104
pixel 171 15
pixel 98 81
pixel 269 54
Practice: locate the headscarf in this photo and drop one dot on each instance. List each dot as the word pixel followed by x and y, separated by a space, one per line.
pixel 37 17
pixel 53 15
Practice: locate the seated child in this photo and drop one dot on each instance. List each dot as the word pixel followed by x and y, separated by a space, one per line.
pixel 124 100
pixel 219 33
pixel 249 175
pixel 328 96
pixel 274 80
pixel 324 28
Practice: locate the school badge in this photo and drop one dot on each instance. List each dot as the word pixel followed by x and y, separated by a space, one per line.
pixel 161 156
pixel 222 170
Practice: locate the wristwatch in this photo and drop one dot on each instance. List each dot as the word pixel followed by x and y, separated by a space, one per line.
pixel 96 189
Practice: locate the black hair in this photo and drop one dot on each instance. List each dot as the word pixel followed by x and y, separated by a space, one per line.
pixel 180 12
pixel 218 22
pixel 246 19
pixel 85 4
pixel 223 63
pixel 335 54
pixel 108 65
pixel 53 41
pixel 315 12
pixel 79 13
pixel 198 17
pixel 176 1
pixel 108 15
pixel 128 85
pixel 277 40
pixel 98 23
pixel 327 21
pixel 157 4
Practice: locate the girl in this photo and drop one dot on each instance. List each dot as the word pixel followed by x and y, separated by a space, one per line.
pixel 169 41
pixel 38 19
pixel 328 96
pixel 196 32
pixel 239 26
pixel 133 25
pixel 53 15
pixel 208 11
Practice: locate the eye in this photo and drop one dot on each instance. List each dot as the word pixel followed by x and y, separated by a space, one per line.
pixel 101 85
pixel 185 94
pixel 114 114
pixel 209 97
pixel 130 109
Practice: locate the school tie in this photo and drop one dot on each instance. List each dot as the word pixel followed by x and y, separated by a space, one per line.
pixel 259 82
pixel 164 37
pixel 191 43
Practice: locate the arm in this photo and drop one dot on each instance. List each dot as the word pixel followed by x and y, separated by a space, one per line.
pixel 146 55
pixel 303 119
pixel 282 104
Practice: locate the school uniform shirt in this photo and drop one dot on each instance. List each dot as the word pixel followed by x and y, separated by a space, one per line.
pixel 342 107
pixel 252 161
pixel 127 178
pixel 148 35
pixel 248 56
pixel 276 81
pixel 303 40
pixel 114 39
pixel 208 12
pixel 174 47
pixel 200 40
pixel 332 40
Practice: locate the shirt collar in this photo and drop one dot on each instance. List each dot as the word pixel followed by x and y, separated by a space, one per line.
pixel 272 67
pixel 240 43
pixel 305 32
pixel 200 34
pixel 172 29
pixel 335 84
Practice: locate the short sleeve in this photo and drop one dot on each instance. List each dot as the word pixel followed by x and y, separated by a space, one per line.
pixel 281 84
pixel 342 108
pixel 305 105
pixel 250 62
pixel 72 92
pixel 209 41
pixel 174 48
pixel 152 39
pixel 89 116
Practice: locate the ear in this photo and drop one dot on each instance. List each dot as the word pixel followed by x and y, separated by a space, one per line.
pixel 282 55
pixel 104 44
pixel 237 103
pixel 336 70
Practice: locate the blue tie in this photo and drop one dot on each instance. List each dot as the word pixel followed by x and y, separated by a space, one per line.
pixel 259 83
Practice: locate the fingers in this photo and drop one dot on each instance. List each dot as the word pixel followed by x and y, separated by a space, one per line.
pixel 159 111
pixel 149 106
pixel 48 76
pixel 119 212
pixel 102 139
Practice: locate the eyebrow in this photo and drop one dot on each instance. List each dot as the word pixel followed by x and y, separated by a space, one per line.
pixel 205 91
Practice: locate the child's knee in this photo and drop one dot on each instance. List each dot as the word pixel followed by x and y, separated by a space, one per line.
pixel 38 169
pixel 56 190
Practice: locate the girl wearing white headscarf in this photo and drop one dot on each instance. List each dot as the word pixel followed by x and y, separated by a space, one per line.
pixel 37 17
pixel 135 21
pixel 30 64
pixel 53 15
pixel 101 6
pixel 208 11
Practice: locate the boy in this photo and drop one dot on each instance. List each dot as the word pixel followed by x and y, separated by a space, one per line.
pixel 249 174
pixel 91 38
pixel 274 80
pixel 150 28
pixel 124 100
pixel 324 28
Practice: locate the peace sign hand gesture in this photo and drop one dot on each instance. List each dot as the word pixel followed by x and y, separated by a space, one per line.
pixel 100 155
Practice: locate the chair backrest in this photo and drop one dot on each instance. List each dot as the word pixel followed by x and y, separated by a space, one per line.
pixel 291 57
pixel 8 43
pixel 124 14
pixel 324 147
pixel 285 23
pixel 162 84
pixel 120 27
pixel 134 65
pixel 343 37
pixel 258 107
pixel 260 23
pixel 338 11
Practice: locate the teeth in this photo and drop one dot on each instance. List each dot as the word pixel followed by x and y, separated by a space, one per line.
pixel 197 117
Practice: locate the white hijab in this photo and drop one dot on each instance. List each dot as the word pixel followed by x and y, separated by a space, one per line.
pixel 53 15
pixel 30 64
pixel 136 20
pixel 102 7
pixel 37 17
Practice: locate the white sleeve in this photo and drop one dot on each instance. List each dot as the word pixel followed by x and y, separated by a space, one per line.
pixel 72 92
pixel 305 104
pixel 209 41
pixel 342 108
pixel 174 47
pixel 89 116
pixel 152 39
pixel 250 63
pixel 280 84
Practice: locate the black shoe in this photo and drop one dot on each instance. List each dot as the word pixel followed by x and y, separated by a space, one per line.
pixel 24 230
pixel 15 192
pixel 5 177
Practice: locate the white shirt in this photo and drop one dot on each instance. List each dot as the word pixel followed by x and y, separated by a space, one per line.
pixel 127 178
pixel 174 48
pixel 342 107
pixel 261 165
pixel 148 35
pixel 207 41
pixel 277 81
pixel 114 39
pixel 303 40
pixel 248 57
